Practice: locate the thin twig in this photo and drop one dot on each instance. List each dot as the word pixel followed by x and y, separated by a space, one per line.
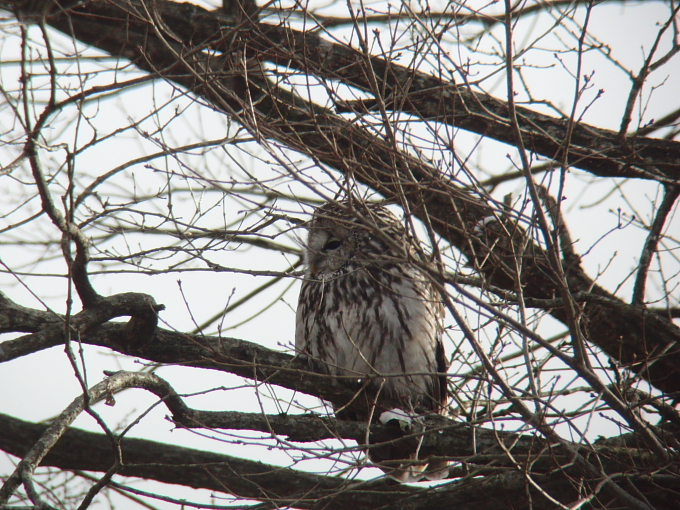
pixel 671 194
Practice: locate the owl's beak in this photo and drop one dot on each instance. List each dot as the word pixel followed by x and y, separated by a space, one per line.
pixel 312 268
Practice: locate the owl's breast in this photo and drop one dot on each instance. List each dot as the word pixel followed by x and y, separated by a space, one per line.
pixel 377 321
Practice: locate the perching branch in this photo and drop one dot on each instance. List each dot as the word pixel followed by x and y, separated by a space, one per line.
pixel 17 437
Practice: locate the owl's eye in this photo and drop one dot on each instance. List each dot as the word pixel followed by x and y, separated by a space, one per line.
pixel 331 244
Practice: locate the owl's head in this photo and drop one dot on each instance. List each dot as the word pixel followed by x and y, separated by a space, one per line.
pixel 343 234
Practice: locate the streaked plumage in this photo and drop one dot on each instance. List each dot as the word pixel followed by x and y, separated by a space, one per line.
pixel 366 309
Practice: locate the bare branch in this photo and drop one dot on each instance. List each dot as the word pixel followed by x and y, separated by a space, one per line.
pixel 670 196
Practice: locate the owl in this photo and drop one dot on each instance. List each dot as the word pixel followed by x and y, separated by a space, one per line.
pixel 366 309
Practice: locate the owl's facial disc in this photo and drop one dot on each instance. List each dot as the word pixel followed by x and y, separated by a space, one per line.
pixel 328 250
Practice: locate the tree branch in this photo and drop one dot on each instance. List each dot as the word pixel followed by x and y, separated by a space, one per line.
pixel 80 450
pixel 670 196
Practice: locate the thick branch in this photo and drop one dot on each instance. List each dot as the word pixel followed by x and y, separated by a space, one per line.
pixel 80 450
pixel 260 364
pixel 595 150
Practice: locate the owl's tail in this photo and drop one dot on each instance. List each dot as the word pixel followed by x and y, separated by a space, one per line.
pixel 415 471
pixel 402 458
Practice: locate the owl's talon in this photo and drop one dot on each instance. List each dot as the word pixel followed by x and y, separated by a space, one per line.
pixel 479 227
pixel 403 418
